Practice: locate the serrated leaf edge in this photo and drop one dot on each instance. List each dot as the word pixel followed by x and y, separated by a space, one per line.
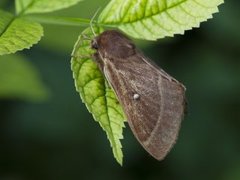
pixel 121 25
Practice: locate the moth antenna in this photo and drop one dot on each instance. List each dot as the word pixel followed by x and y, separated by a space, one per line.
pixel 91 22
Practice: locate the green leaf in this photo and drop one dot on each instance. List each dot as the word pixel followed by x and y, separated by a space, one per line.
pixel 17 33
pixel 95 92
pixel 20 79
pixel 20 5
pixel 42 6
pixel 153 19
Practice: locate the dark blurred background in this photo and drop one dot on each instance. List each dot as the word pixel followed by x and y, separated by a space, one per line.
pixel 58 139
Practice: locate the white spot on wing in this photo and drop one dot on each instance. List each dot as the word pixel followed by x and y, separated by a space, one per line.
pixel 136 96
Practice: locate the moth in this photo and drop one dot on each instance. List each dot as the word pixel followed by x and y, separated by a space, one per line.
pixel 152 100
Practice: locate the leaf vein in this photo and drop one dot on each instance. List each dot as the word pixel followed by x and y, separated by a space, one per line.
pixel 200 4
pixel 161 26
pixel 188 13
pixel 173 19
pixel 79 69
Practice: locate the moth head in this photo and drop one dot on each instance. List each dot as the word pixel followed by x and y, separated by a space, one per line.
pixel 113 44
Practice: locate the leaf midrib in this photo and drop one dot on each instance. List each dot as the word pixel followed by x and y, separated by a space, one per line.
pixel 7 26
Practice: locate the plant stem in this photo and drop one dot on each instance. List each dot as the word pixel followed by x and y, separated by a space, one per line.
pixel 59 20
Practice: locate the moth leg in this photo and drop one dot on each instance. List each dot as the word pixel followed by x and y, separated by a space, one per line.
pixel 81 43
pixel 85 37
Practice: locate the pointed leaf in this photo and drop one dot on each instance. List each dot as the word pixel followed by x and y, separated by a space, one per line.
pixel 42 6
pixel 17 33
pixel 153 19
pixel 95 92
pixel 20 79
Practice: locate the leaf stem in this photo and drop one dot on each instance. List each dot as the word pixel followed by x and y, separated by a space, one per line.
pixel 69 21
pixel 59 20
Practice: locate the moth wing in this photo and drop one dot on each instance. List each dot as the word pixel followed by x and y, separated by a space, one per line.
pixel 152 100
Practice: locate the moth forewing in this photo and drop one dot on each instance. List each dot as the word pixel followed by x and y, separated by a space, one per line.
pixel 152 100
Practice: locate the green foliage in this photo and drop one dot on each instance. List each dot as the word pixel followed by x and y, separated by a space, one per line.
pixel 17 33
pixel 96 93
pixel 19 79
pixel 42 6
pixel 152 20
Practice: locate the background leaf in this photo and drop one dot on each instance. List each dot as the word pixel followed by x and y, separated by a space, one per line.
pixel 19 79
pixel 5 20
pixel 156 19
pixel 97 94
pixel 17 33
pixel 42 6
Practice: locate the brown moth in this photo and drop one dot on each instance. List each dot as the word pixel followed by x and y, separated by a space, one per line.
pixel 152 100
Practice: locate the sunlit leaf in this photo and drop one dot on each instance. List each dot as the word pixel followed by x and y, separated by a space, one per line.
pixel 153 19
pixel 19 79
pixel 97 94
pixel 42 6
pixel 17 33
